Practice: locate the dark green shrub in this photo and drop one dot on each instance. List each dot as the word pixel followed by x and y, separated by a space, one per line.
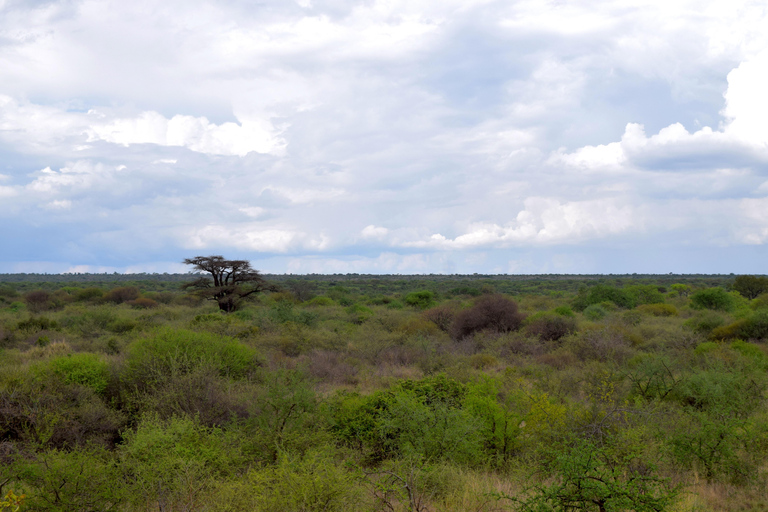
pixel 38 323
pixel 603 293
pixel 750 286
pixel 712 298
pixel 658 309
pixel 644 294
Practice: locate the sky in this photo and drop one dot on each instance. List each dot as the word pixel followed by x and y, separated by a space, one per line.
pixel 384 136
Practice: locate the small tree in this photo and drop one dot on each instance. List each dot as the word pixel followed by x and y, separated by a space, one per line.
pixel 750 286
pixel 229 283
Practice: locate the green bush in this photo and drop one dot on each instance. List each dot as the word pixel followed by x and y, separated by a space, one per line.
pixel 658 309
pixel 84 368
pixel 179 351
pixel 603 293
pixel 423 299
pixel 704 322
pixel 595 312
pixel 716 299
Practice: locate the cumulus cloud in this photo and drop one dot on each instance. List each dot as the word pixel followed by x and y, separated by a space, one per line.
pixel 42 128
pixel 252 238
pixel 545 221
pixel 450 135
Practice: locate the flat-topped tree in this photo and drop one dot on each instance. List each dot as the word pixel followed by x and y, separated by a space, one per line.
pixel 230 281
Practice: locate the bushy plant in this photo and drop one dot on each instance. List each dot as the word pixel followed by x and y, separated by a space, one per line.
pixel 550 326
pixel 716 299
pixel 658 309
pixel 83 368
pixel 177 351
pixel 594 312
pixel 420 300
pixel 495 313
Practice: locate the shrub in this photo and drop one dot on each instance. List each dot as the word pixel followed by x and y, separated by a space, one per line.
pixel 441 316
pixel 645 294
pixel 752 327
pixel 704 322
pixel 38 300
pixel 712 298
pixel 122 294
pixel 421 299
pixel 142 303
pixel 658 309
pixel 491 312
pixel 85 368
pixel 179 351
pixel 321 300
pixel 750 286
pixel 564 311
pixel 89 294
pixel 595 312
pixel 603 293
pixel 550 327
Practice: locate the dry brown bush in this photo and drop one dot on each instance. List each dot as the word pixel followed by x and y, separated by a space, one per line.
pixel 331 367
pixel 38 300
pixel 122 294
pixel 496 313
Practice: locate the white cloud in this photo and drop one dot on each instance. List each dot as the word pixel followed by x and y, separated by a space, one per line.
pixel 545 221
pixel 372 231
pixel 63 204
pixel 197 134
pixel 252 238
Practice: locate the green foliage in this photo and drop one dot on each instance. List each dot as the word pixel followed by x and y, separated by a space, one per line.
pixel 312 483
pixel 658 309
pixel 754 327
pixel 590 477
pixel 172 464
pixel 716 299
pixel 423 299
pixel 63 481
pixel 594 312
pixel 682 290
pixel 715 433
pixel 750 286
pixel 564 311
pixel 321 300
pixel 704 322
pixel 177 351
pixel 86 369
pixel 283 413
pixel 435 418
pixel 603 293
pixel 644 294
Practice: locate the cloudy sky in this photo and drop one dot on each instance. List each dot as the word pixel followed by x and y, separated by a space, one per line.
pixel 385 136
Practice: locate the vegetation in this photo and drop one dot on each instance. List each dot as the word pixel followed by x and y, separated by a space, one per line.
pixel 391 393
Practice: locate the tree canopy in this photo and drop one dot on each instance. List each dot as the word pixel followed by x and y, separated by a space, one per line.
pixel 228 282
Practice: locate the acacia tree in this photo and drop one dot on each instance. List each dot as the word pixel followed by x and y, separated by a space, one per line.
pixel 229 282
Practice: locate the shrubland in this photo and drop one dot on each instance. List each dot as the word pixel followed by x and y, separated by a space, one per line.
pixel 422 393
